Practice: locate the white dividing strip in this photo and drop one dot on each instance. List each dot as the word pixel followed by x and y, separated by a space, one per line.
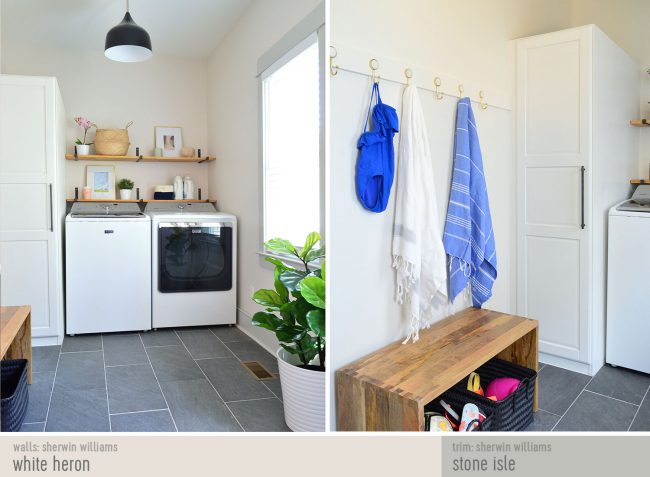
pixel 85 351
pixel 610 397
pixel 159 386
pixel 161 346
pixel 56 370
pixel 255 399
pixel 638 409
pixel 138 412
pixel 210 382
pixel 108 403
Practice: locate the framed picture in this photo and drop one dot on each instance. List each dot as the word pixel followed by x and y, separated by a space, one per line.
pixel 101 180
pixel 169 139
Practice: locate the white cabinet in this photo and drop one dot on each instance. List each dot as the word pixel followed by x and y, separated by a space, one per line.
pixel 576 92
pixel 32 201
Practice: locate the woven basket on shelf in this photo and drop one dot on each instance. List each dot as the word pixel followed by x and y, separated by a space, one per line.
pixel 112 142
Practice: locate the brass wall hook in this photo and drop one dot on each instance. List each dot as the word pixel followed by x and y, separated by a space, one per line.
pixel 409 74
pixel 374 66
pixel 334 69
pixel 436 84
pixel 482 102
pixel 460 90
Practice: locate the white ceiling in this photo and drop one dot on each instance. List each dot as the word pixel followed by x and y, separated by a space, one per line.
pixel 185 28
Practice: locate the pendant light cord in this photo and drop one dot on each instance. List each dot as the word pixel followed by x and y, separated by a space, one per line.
pixel 127 5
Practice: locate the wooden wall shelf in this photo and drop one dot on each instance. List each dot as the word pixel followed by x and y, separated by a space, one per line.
pixel 96 157
pixel 640 123
pixel 639 181
pixel 142 200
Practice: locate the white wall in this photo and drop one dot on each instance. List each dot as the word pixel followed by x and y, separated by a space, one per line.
pixel 162 91
pixel 625 22
pixel 468 40
pixel 233 137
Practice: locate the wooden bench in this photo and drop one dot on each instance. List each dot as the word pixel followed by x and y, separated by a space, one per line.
pixel 388 389
pixel 16 335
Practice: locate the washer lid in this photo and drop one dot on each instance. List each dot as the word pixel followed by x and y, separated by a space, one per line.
pixel 106 210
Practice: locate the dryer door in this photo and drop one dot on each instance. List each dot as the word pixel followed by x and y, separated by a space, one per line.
pixel 194 257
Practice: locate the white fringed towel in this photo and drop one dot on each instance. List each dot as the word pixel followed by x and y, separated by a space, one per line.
pixel 418 253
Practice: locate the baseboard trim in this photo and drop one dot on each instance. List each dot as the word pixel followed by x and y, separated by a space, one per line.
pixel 46 341
pixel 576 366
pixel 247 333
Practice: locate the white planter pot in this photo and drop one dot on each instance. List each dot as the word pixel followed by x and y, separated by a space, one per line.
pixel 303 394
pixel 83 149
pixel 125 194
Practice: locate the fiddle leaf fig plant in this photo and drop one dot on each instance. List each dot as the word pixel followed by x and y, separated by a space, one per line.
pixel 295 307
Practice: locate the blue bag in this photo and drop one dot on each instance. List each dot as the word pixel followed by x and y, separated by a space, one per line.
pixel 376 163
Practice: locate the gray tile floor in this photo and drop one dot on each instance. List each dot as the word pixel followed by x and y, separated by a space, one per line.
pixel 186 379
pixel 615 399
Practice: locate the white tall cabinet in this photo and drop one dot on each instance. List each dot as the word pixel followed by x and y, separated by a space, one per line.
pixel 576 153
pixel 32 201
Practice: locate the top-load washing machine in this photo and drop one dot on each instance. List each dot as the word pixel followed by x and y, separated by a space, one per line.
pixel 108 268
pixel 628 287
pixel 194 264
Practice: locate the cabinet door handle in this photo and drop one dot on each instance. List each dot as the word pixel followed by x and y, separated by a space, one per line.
pixel 582 197
pixel 51 211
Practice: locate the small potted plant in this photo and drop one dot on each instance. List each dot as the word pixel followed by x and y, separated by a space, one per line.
pixel 295 312
pixel 83 148
pixel 126 187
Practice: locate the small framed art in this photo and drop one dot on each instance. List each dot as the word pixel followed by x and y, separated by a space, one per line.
pixel 101 180
pixel 170 140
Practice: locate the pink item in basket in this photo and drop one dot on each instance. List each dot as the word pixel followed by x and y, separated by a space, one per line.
pixel 501 388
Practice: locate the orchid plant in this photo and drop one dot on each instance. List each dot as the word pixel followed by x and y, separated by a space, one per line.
pixel 86 124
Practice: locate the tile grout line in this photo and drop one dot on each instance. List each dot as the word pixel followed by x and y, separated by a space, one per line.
pixel 571 405
pixel 108 403
pixel 271 391
pixel 56 370
pixel 138 412
pixel 85 351
pixel 227 347
pixel 208 380
pixel 159 386
pixel 611 397
pixel 160 346
pixel 638 409
pixel 124 365
pixel 254 399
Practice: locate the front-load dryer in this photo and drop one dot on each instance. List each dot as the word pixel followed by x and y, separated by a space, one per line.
pixel 194 265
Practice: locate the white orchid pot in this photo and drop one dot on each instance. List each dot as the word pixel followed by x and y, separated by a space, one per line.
pixel 125 194
pixel 83 149
pixel 303 394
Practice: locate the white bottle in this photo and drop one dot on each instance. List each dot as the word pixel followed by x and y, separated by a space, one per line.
pixel 178 188
pixel 188 188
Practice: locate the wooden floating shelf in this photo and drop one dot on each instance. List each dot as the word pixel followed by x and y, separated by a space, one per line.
pixel 639 181
pixel 640 123
pixel 142 200
pixel 97 157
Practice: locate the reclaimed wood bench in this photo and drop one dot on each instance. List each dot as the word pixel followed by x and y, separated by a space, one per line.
pixel 388 389
pixel 16 335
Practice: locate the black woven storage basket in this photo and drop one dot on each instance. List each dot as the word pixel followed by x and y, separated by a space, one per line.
pixel 457 403
pixel 514 413
pixel 14 394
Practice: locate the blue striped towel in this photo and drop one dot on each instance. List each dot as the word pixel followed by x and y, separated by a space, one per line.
pixel 469 237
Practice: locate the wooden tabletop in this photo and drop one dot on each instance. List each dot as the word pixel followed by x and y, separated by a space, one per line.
pixel 445 354
pixel 11 319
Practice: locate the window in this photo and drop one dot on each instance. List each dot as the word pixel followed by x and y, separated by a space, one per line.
pixel 292 136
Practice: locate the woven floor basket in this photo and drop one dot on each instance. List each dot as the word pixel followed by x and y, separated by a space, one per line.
pixel 112 142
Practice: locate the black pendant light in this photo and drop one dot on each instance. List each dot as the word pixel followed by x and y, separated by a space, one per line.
pixel 128 41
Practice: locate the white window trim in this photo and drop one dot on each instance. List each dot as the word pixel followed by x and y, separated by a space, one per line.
pixel 290 46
